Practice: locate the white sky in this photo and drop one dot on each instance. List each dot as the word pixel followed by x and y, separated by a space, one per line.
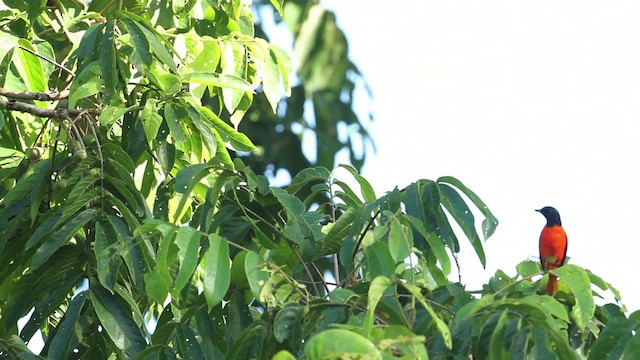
pixel 528 103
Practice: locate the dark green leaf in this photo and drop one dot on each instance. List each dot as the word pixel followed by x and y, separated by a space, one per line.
pixel 108 61
pixel 60 237
pixel 456 206
pixel 117 321
pixel 65 335
pixel 107 257
pixel 490 222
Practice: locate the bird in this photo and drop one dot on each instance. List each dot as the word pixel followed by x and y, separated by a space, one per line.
pixel 553 245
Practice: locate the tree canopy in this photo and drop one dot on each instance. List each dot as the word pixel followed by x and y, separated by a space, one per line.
pixel 136 220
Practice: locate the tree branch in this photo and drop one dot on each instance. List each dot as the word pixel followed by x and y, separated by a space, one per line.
pixel 45 113
pixel 51 96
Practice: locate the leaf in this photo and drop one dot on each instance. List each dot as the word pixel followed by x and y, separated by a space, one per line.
pixel 108 61
pixel 217 270
pixel 30 67
pixel 117 321
pixel 65 335
pixel 188 242
pixel 367 190
pixel 271 84
pixel 296 228
pixel 154 41
pixel 528 268
pixel 459 210
pixel 490 222
pixel 173 117
pixel 219 80
pixel 60 237
pixel 613 339
pixel 340 344
pixel 284 65
pixel 140 43
pixel 278 4
pixel 151 120
pixel 107 257
pixel 239 141
pixel 376 289
pixel 288 324
pixel 377 261
pixel 186 181
pixel 400 238
pixel 441 325
pixel 435 244
pixel 117 153
pixel 334 239
pixel 256 276
pixel 496 344
pixel 579 284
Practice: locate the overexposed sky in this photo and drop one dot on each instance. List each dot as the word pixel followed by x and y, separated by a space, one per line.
pixel 528 103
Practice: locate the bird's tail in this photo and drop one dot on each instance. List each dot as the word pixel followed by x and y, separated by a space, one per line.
pixel 552 285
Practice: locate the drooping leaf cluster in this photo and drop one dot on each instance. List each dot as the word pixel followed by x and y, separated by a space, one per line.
pixel 135 223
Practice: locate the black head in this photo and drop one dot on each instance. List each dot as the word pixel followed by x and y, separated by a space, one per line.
pixel 551 214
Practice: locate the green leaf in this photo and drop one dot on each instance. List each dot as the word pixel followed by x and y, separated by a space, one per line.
pixel 117 153
pixel 490 222
pixel 307 175
pixel 88 83
pixel 107 257
pixel 188 242
pixel 140 43
pixel 151 120
pixel 284 65
pixel 296 228
pixel 154 41
pixel 271 84
pixel 334 239
pixel 365 187
pixel 117 321
pixel 632 350
pixel 400 237
pixel 219 80
pixel 209 58
pixel 528 268
pixel 435 244
pixel 186 181
pixel 239 141
pixel 173 117
pixel 60 237
pixel 613 339
pixel 577 280
pixel 65 334
pixel 217 270
pixel 496 345
pixel 288 323
pixel 459 210
pixel 157 285
pixel 340 344
pixel 257 277
pixel 278 4
pixel 377 261
pixel 108 61
pixel 30 67
pixel 377 288
pixel 440 324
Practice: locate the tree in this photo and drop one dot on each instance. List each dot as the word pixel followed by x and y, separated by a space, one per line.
pixel 135 222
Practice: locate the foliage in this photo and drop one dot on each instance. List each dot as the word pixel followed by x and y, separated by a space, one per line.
pixel 134 224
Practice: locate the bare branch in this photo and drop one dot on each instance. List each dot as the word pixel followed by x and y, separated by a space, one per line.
pixel 50 96
pixel 45 113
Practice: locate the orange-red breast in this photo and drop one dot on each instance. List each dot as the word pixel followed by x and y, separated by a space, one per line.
pixel 553 245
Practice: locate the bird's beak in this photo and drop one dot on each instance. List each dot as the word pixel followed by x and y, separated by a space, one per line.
pixel 538 210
